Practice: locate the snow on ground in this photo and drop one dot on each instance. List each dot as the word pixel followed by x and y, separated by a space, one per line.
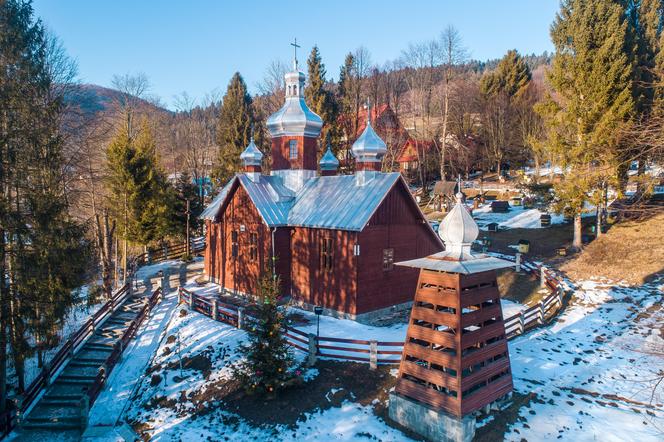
pixel 78 314
pixel 517 217
pixel 511 308
pixel 591 371
pixel 110 404
pixel 601 345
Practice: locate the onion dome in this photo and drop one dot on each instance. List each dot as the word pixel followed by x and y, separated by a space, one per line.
pixel 458 230
pixel 294 118
pixel 329 161
pixel 369 147
pixel 252 156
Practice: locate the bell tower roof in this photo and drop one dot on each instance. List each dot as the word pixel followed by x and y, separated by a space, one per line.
pixel 369 147
pixel 294 118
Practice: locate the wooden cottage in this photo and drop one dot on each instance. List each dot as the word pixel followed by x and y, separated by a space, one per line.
pixel 334 238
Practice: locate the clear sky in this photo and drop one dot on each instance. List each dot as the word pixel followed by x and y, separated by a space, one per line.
pixel 197 45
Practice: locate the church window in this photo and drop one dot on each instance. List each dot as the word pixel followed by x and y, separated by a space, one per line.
pixel 234 243
pixel 253 246
pixel 292 149
pixel 388 259
pixel 327 254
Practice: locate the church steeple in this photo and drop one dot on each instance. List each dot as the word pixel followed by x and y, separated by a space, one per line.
pixel 294 130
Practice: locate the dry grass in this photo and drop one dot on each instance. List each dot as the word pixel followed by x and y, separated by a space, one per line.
pixel 519 287
pixel 631 250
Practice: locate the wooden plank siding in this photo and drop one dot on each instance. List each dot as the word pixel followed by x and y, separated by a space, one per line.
pixel 355 284
pixel 397 224
pixel 467 365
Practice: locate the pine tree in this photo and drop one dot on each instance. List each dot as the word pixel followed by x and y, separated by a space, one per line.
pixel 592 76
pixel 349 101
pixel 233 129
pixel 501 88
pixel 268 363
pixel 319 99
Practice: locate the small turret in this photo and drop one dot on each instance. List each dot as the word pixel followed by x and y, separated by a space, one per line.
pixel 329 163
pixel 252 158
pixel 368 151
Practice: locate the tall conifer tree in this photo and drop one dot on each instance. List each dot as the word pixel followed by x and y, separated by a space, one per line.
pixel 319 99
pixel 233 129
pixel 592 76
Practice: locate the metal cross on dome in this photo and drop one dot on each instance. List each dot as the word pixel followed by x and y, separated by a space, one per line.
pixel 295 46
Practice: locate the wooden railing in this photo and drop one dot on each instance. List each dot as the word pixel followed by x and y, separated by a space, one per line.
pixel 121 345
pixel 373 352
pixel 52 367
pixel 380 352
pixel 177 251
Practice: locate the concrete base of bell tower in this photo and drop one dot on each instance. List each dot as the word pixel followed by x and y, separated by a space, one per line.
pixel 431 423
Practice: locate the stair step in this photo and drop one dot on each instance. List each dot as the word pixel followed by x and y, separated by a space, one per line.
pixel 73 381
pixel 51 426
pixel 63 397
pixel 73 401
pixel 98 347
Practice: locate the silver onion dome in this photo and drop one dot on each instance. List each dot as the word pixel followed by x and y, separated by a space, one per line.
pixel 329 161
pixel 458 230
pixel 369 147
pixel 252 156
pixel 294 118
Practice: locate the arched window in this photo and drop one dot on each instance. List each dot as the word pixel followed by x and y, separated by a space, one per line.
pixel 294 90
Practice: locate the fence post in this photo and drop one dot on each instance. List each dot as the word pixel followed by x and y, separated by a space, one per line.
pixel 373 355
pixel 540 317
pixel 179 295
pixel 191 301
pixel 148 257
pixel 517 267
pixel 183 273
pixel 240 318
pixel 522 325
pixel 560 296
pixel 542 277
pixel 313 349
pixel 165 281
pixel 130 286
pixel 214 310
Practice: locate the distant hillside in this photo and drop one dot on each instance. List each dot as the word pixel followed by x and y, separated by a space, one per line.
pixel 92 99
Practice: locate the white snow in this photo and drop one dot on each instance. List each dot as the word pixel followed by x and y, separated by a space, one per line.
pixel 600 345
pixel 516 218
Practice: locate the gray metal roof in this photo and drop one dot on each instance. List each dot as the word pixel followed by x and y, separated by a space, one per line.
pixel 211 210
pixel 337 202
pixel 326 202
pixel 444 262
pixel 272 199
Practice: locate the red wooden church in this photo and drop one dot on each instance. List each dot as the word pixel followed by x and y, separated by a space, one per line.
pixel 334 238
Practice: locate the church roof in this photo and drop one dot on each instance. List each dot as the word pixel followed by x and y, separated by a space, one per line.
pixel 327 202
pixel 337 202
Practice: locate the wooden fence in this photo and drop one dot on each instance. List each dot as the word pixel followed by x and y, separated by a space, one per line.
pixel 177 251
pixel 381 352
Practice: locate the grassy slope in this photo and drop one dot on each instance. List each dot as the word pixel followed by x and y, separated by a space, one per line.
pixel 632 251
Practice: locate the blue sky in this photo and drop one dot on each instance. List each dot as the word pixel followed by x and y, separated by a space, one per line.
pixel 197 45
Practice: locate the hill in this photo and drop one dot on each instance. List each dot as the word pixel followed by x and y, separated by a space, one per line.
pixel 631 250
pixel 92 99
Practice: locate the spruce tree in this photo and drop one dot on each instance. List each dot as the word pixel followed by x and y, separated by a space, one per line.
pixel 142 200
pixel 268 363
pixel 501 88
pixel 43 253
pixel 592 77
pixel 233 129
pixel 319 99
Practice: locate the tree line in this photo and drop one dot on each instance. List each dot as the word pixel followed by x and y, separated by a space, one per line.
pixel 83 191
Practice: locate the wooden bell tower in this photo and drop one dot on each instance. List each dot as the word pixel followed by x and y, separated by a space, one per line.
pixel 455 359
